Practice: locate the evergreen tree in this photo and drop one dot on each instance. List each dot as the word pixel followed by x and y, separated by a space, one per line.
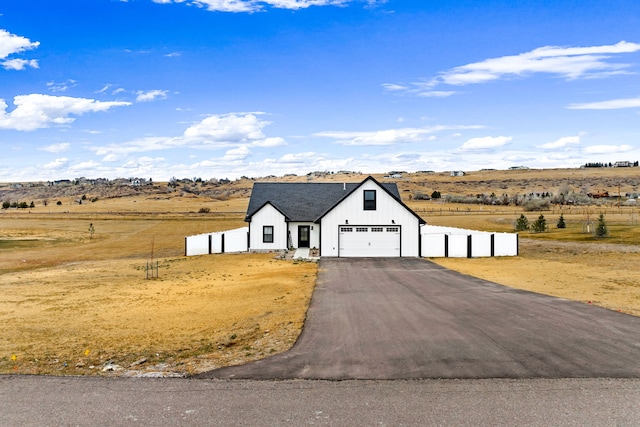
pixel 561 223
pixel 539 224
pixel 522 223
pixel 601 228
pixel 435 194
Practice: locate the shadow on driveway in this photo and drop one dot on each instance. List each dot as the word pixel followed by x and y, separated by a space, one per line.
pixel 408 318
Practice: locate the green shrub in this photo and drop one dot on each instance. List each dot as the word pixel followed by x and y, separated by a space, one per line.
pixel 561 223
pixel 601 228
pixel 522 223
pixel 539 225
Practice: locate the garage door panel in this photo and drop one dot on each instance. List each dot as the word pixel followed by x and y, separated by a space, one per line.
pixel 368 241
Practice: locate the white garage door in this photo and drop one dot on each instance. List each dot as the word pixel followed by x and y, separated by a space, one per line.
pixel 368 241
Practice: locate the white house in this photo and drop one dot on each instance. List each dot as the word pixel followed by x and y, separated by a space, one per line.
pixel 365 219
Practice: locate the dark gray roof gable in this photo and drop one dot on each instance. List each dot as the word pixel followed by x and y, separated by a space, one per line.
pixel 307 202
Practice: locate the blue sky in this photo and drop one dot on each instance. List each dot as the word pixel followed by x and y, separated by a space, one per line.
pixel 225 88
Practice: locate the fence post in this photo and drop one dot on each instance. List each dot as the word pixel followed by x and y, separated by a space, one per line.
pixel 493 244
pixel 446 246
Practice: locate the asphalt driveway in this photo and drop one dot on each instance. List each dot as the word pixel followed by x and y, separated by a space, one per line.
pixel 376 318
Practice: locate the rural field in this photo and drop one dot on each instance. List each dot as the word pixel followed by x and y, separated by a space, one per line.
pixel 76 300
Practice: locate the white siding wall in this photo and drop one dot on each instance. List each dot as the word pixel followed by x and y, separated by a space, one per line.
pixel 480 245
pixel 314 236
pixel 387 209
pixel 268 215
pixel 506 244
pixel 234 241
pixel 458 246
pixel 433 245
pixel 197 245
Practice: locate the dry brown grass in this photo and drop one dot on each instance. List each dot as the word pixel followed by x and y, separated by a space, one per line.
pixel 71 304
pixel 201 313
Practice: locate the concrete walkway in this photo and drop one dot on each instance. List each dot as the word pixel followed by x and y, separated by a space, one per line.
pixel 304 253
pixel 408 318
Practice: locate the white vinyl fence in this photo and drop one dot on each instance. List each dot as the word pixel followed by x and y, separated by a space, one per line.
pixel 217 243
pixel 460 243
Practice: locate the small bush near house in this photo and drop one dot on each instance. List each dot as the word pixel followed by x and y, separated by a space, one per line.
pixel 522 223
pixel 435 195
pixel 59 203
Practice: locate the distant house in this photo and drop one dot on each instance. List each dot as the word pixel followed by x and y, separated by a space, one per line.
pixel 457 173
pixel 622 164
pixel 345 220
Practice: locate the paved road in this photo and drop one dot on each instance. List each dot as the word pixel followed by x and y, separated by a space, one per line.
pixel 410 319
pixel 55 401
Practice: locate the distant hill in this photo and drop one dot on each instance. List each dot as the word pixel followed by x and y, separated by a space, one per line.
pixel 519 181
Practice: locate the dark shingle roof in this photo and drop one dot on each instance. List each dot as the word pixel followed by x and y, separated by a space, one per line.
pixel 302 201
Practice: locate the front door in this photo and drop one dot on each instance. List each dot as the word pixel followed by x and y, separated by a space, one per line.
pixel 303 236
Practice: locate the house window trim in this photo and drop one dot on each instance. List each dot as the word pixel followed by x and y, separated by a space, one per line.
pixel 267 237
pixel 369 205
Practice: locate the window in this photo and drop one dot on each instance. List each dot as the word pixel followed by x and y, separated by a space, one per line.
pixel 377 229
pixel 369 200
pixel 362 229
pixel 346 229
pixel 393 229
pixel 267 234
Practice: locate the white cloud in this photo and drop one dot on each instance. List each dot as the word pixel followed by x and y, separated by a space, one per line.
pixel 57 148
pixel 307 158
pixel 259 5
pixel 421 89
pixel 394 87
pixel 228 129
pixel 11 44
pixel 607 149
pixel 56 164
pixel 487 142
pixel 561 143
pixel 151 95
pixel 89 166
pixel 237 154
pixel 19 64
pixel 239 130
pixel 61 87
pixel 37 111
pixel 270 142
pixel 567 62
pixel 435 93
pixel 613 104
pixel 388 136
